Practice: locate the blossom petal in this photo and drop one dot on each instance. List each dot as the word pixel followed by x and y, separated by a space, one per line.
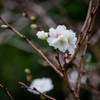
pixel 41 84
pixel 42 35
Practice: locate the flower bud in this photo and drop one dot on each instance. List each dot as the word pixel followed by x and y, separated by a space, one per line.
pixel 4 26
pixel 27 71
pixel 33 18
pixel 33 26
pixel 42 35
pixel 24 14
pixel 44 63
pixel 28 75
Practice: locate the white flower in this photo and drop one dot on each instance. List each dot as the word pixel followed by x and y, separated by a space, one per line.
pixel 88 57
pixel 54 33
pixel 62 39
pixel 60 42
pixel 83 80
pixel 41 84
pixel 71 36
pixel 74 76
pixel 42 35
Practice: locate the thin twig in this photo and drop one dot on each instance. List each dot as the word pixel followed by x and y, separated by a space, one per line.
pixel 81 68
pixel 34 21
pixel 6 91
pixel 85 23
pixel 92 16
pixel 58 59
pixel 71 89
pixel 93 88
pixel 79 42
pixel 93 91
pixel 66 78
pixel 25 86
pixel 33 46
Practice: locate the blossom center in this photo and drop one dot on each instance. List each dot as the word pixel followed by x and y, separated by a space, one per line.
pixel 69 40
pixel 62 42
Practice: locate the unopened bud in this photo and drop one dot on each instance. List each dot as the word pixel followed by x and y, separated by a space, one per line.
pixel 33 26
pixel 45 63
pixel 27 71
pixel 24 14
pixel 28 75
pixel 33 18
pixel 4 26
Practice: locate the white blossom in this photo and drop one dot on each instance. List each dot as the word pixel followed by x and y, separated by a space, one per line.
pixel 73 78
pixel 54 33
pixel 42 35
pixel 88 57
pixel 62 39
pixel 71 36
pixel 41 84
pixel 83 80
pixel 60 42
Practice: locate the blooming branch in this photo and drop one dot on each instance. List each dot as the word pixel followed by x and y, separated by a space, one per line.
pixel 34 89
pixel 33 46
pixel 79 42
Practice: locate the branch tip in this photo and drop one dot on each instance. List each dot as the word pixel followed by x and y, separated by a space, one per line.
pixel 23 87
pixel 21 83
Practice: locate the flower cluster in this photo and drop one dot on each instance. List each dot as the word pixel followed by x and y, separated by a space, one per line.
pixel 60 38
pixel 41 84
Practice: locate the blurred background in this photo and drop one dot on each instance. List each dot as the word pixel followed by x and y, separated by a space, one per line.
pixel 16 54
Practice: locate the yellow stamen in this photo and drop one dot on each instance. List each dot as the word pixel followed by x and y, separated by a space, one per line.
pixel 61 42
pixel 68 40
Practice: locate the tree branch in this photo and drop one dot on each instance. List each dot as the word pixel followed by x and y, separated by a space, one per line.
pixel 33 46
pixel 6 91
pixel 79 42
pixel 25 86
pixel 58 59
pixel 81 68
pixel 71 89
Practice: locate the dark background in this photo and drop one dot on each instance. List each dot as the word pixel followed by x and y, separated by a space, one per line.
pixel 16 54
